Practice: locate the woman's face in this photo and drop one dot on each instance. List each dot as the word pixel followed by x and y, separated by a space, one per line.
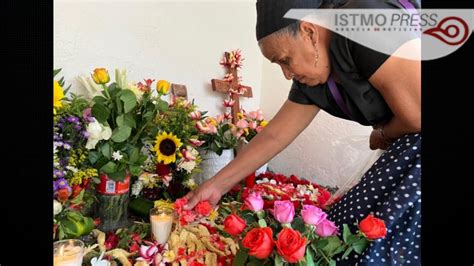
pixel 298 55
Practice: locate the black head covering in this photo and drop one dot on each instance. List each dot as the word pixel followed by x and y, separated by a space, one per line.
pixel 270 14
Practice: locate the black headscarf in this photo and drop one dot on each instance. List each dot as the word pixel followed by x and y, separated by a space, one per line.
pixel 270 14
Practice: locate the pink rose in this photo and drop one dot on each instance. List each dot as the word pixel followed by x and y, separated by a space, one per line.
pixel 254 201
pixel 283 211
pixel 326 228
pixel 313 215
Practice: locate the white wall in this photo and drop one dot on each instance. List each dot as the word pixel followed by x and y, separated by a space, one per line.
pixel 183 41
pixel 180 41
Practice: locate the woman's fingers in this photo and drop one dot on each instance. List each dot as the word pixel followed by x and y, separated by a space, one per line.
pixel 193 199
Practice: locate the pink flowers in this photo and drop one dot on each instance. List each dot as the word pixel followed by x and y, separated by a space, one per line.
pixel 232 59
pixel 201 210
pixel 283 211
pixel 326 228
pixel 254 201
pixel 195 115
pixel 196 142
pixel 229 103
pixel 206 128
pixel 313 215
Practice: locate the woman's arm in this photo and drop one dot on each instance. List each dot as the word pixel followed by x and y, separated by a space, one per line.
pixel 287 124
pixel 399 82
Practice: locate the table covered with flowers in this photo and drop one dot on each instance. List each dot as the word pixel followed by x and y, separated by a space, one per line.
pixel 124 158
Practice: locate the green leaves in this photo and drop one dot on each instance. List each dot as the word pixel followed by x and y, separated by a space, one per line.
pixel 278 260
pixel 129 100
pixel 118 175
pixel 106 150
pixel 162 105
pixel 126 120
pixel 309 257
pixel 360 245
pixel 241 257
pixel 121 133
pixel 100 112
pixel 109 168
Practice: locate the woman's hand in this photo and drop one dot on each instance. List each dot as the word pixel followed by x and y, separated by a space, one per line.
pixel 377 140
pixel 209 190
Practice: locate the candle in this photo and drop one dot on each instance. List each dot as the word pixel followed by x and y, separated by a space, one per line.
pixel 68 252
pixel 161 223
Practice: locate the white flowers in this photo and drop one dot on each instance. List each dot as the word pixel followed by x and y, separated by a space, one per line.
pixel 136 90
pixel 97 132
pixel 57 207
pixel 91 89
pixel 137 188
pixel 189 159
pixel 117 156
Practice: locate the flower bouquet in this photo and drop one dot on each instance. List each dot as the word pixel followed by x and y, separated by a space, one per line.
pixel 121 115
pixel 172 157
pixel 219 142
pixel 72 172
pixel 277 235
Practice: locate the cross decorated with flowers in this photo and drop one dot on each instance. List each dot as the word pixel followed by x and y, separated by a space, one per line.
pixel 230 84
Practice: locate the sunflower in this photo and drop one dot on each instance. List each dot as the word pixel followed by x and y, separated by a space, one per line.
pixel 58 95
pixel 166 147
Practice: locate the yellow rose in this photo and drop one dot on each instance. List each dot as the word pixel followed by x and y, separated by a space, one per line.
pixel 264 123
pixel 162 87
pixel 100 76
pixel 58 95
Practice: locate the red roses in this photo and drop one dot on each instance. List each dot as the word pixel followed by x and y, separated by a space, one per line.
pixel 373 228
pixel 234 225
pixel 259 241
pixel 290 245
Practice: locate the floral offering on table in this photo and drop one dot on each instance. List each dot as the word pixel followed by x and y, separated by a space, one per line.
pixel 292 231
pixel 72 171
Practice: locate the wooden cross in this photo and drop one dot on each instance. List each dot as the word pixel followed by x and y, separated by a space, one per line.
pixel 179 90
pixel 226 87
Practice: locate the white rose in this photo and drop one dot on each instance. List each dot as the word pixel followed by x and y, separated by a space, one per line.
pixel 57 207
pixel 96 133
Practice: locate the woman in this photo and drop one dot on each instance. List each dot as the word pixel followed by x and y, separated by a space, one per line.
pixel 353 82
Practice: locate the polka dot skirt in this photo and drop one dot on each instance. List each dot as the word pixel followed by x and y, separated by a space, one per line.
pixel 391 191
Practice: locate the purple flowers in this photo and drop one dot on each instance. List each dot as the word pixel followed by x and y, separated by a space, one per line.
pixel 60 184
pixel 58 173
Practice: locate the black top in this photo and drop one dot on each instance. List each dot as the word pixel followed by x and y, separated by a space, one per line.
pixel 354 64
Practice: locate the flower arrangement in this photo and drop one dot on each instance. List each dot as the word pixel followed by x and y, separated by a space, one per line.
pixel 250 124
pixel 122 115
pixel 277 235
pixel 274 187
pixel 216 134
pixel 172 157
pixel 72 171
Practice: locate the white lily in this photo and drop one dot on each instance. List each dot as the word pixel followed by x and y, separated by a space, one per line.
pixel 121 78
pixel 90 87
